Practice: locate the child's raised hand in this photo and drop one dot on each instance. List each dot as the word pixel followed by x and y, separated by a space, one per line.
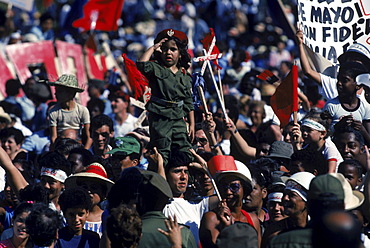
pixel 299 36
pixel 296 133
pixel 157 46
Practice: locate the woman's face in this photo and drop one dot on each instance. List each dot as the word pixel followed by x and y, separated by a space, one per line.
pixel 19 226
pixel 10 146
pixel 231 189
pixel 256 115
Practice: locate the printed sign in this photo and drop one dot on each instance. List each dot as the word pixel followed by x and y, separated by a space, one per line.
pixel 330 26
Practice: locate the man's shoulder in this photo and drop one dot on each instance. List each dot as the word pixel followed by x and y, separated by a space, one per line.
pixel 293 239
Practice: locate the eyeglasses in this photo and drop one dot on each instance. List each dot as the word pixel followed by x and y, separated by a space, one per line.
pixel 233 187
pixel 200 140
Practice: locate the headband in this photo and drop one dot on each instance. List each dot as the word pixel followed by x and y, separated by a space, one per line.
pixel 313 124
pixel 276 197
pixel 58 175
pixel 296 187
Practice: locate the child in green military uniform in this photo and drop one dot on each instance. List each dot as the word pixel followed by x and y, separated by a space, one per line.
pixel 171 98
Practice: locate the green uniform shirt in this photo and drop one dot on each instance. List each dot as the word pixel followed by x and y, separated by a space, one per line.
pixel 152 238
pixel 168 86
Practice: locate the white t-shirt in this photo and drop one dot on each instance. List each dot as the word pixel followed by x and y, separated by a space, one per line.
pixel 126 127
pixel 336 110
pixel 188 213
pixel 331 152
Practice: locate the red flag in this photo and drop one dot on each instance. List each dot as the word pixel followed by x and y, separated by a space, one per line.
pixel 100 15
pixel 268 76
pixel 207 42
pixel 285 99
pixel 136 80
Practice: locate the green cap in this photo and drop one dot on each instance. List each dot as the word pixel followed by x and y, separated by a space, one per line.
pixel 152 179
pixel 67 80
pixel 325 184
pixel 125 146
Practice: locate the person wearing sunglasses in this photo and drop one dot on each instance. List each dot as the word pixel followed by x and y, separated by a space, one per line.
pixel 233 185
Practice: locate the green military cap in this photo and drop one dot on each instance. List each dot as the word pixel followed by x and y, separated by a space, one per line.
pixel 152 179
pixel 125 146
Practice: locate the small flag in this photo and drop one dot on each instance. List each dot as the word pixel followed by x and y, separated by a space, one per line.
pixel 285 99
pixel 268 76
pixel 209 43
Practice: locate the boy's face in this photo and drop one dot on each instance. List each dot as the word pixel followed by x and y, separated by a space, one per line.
pixel 76 219
pixel 351 174
pixel 101 137
pixel 64 94
pixel 346 85
pixel 170 53
pixel 348 146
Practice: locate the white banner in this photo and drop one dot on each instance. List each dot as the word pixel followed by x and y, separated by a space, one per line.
pixel 26 5
pixel 330 26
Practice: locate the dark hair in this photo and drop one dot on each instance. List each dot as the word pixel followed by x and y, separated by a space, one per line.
pixel 42 225
pixel 311 160
pixel 22 208
pixel 354 163
pixel 65 145
pixel 99 121
pixel 46 16
pixel 56 161
pixel 85 154
pixel 349 129
pixel 34 193
pixel 125 188
pixel 76 197
pixel 124 227
pixel 352 69
pixel 12 87
pixel 98 84
pixel 96 102
pixel 177 158
pixel 11 131
pixel 119 94
pixel 184 60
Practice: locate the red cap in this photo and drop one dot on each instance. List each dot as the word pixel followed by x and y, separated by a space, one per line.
pixel 168 33
pixel 221 163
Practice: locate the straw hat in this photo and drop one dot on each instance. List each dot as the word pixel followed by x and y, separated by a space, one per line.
pixel 69 81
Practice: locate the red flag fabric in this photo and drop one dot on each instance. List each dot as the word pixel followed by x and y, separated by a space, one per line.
pixel 207 41
pixel 136 80
pixel 268 76
pixel 100 15
pixel 285 99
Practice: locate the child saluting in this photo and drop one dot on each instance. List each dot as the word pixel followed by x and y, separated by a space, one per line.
pixel 171 98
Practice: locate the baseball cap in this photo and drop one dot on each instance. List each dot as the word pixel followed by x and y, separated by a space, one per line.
pixel 337 184
pixel 125 146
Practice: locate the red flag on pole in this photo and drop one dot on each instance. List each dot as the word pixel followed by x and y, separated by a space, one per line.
pixel 285 99
pixel 100 15
pixel 137 81
pixel 209 42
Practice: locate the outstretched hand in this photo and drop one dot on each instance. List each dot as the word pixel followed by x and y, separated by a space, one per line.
pixel 174 232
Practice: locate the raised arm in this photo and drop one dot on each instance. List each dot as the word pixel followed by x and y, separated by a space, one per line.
pixel 240 142
pixel 14 176
pixel 148 53
pixel 306 68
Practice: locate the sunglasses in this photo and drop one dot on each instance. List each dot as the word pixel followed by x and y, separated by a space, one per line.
pixel 233 187
pixel 200 140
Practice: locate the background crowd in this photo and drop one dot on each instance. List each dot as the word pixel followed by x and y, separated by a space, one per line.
pixel 95 176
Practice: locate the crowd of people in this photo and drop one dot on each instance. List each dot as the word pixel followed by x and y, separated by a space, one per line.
pixel 221 172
